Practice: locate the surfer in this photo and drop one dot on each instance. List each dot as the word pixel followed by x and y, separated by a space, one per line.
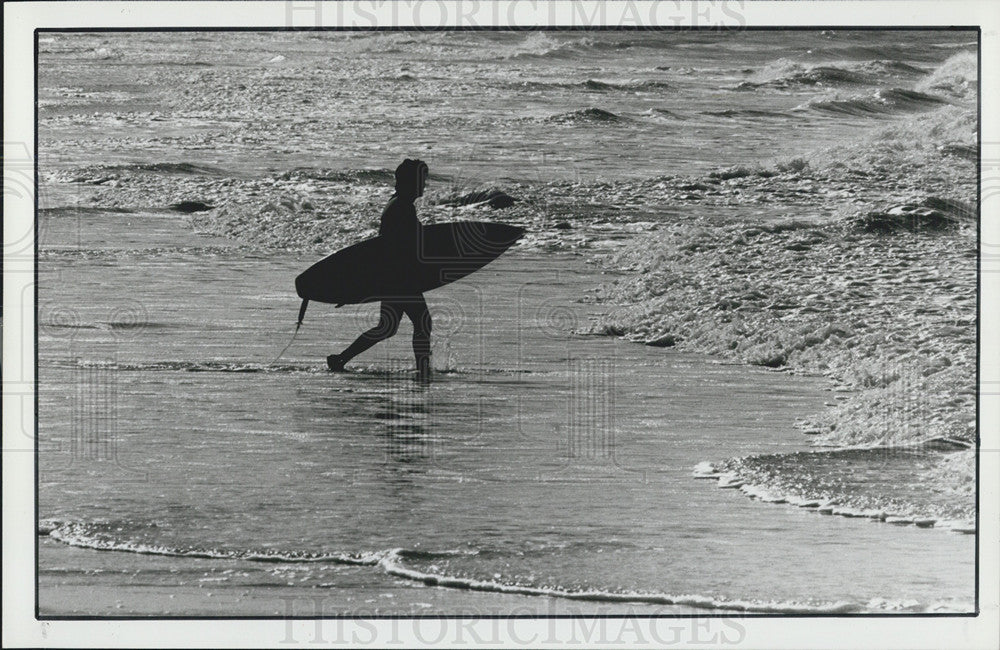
pixel 401 229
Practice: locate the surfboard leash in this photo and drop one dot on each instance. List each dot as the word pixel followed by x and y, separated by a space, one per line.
pixel 302 314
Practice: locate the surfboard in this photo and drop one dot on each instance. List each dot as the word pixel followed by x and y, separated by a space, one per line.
pixel 370 271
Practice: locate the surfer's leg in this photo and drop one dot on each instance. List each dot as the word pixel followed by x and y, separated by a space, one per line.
pixel 388 322
pixel 417 310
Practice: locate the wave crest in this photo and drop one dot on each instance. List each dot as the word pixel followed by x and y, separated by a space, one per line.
pixel 648 84
pixel 786 74
pixel 881 103
pixel 541 45
pixel 586 115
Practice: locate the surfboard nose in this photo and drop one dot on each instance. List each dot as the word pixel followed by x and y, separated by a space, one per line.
pixel 486 240
pixel 506 236
pixel 510 233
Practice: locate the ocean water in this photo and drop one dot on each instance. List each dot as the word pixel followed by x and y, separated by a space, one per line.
pixel 541 466
pixel 483 105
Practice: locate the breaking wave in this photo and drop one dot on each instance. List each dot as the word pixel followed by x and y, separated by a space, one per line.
pixel 785 74
pixel 108 537
pixel 586 115
pixel 957 77
pixel 910 51
pixel 750 113
pixel 890 101
pixel 541 45
pixel 650 84
pixel 790 74
pixel 595 85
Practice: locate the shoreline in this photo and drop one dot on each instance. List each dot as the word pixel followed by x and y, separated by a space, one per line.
pixel 734 474
pixel 206 590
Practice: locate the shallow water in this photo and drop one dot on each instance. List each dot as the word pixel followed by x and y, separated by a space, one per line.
pixel 537 461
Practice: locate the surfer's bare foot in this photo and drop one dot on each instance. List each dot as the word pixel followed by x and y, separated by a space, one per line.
pixel 424 369
pixel 335 363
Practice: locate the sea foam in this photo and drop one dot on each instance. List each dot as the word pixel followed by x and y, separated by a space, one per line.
pixel 393 562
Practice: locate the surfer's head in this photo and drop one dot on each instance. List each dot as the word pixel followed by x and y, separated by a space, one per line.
pixel 411 176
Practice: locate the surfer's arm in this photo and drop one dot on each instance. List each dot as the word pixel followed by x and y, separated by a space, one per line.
pixel 397 216
pixel 400 226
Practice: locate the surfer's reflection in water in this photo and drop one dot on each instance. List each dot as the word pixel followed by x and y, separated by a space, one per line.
pixel 401 228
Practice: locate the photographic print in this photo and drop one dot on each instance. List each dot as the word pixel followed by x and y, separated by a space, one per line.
pixel 548 322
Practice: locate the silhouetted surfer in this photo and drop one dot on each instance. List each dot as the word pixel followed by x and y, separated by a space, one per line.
pixel 401 230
